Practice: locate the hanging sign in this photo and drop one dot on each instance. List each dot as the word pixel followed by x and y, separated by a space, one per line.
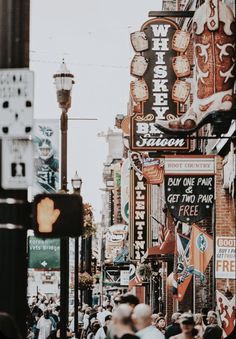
pixel 225 259
pixel 140 210
pixel 189 187
pixel 46 156
pixel 158 87
pixel 125 190
pixel 153 170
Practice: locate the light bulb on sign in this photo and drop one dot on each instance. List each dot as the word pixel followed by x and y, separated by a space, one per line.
pixel 139 41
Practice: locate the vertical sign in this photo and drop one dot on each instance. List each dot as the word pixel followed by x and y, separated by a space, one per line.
pixel 158 89
pixel 46 141
pixel 125 177
pixel 140 211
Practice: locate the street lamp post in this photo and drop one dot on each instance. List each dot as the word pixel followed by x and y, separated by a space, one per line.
pixel 76 184
pixel 64 82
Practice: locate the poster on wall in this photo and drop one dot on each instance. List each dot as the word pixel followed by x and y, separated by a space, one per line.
pixel 225 257
pixel 46 156
pixel 189 187
pixel 159 67
pixel 116 249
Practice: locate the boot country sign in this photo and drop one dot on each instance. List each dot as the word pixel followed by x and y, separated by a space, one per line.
pixel 189 187
pixel 159 91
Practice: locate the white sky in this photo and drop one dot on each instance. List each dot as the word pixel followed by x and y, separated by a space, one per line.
pixel 93 37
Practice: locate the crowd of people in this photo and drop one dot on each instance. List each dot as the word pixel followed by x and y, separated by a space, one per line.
pixel 123 317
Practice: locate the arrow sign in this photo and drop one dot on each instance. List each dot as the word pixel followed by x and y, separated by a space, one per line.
pixel 44 263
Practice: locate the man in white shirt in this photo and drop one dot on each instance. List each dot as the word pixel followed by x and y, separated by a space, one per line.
pixel 44 326
pixel 142 317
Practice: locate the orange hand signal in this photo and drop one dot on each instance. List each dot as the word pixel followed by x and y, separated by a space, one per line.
pixel 46 215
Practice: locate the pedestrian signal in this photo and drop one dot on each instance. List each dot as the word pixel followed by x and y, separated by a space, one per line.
pixel 58 215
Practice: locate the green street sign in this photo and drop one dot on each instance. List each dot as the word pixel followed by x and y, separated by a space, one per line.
pixel 44 253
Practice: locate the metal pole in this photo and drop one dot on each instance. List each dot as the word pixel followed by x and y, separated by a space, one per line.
pixel 76 281
pixel 76 287
pixel 64 248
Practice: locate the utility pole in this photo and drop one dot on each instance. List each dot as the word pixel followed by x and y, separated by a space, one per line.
pixel 14 209
pixel 64 82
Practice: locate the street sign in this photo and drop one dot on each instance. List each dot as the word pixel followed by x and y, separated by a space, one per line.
pixel 16 102
pixel 44 253
pixel 58 215
pixel 17 166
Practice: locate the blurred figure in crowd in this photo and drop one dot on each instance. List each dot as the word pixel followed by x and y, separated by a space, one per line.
pixel 142 317
pixel 8 327
pixel 199 325
pixel 174 327
pixel 94 328
pixel 102 332
pixel 129 299
pixel 161 324
pixel 213 330
pixel 187 327
pixel 122 325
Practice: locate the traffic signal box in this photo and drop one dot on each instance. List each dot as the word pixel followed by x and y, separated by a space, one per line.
pixel 58 215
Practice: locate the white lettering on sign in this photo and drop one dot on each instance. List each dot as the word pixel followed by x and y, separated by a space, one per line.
pixel 160 82
pixel 139 217
pixel 225 257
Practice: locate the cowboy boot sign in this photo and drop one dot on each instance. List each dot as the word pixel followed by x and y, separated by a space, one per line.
pixel 214 32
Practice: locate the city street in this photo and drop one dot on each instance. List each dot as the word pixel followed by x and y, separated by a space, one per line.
pixel 117 169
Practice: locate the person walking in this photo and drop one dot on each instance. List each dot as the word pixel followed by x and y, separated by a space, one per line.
pixel 142 317
pixel 122 325
pixel 187 327
pixel 102 332
pixel 199 325
pixel 212 330
pixel 174 327
pixel 44 326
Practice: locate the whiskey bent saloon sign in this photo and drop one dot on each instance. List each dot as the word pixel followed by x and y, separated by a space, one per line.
pixel 159 66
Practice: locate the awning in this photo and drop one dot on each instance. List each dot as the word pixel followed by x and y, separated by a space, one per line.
pixel 167 247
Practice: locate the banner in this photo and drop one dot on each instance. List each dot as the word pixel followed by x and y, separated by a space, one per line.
pixel 140 210
pixel 201 251
pixel 116 249
pixel 225 259
pixel 46 163
pixel 134 278
pixel 226 309
pixel 158 66
pixel 125 177
pixel 44 254
pixel 153 170
pixel 182 276
pixel 189 187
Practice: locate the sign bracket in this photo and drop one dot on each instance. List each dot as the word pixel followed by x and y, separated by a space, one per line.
pixel 171 14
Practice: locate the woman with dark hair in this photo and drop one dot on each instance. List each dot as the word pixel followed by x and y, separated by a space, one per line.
pixel 8 327
pixel 161 324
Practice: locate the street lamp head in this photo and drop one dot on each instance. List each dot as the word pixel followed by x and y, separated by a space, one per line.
pixel 76 182
pixel 63 80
